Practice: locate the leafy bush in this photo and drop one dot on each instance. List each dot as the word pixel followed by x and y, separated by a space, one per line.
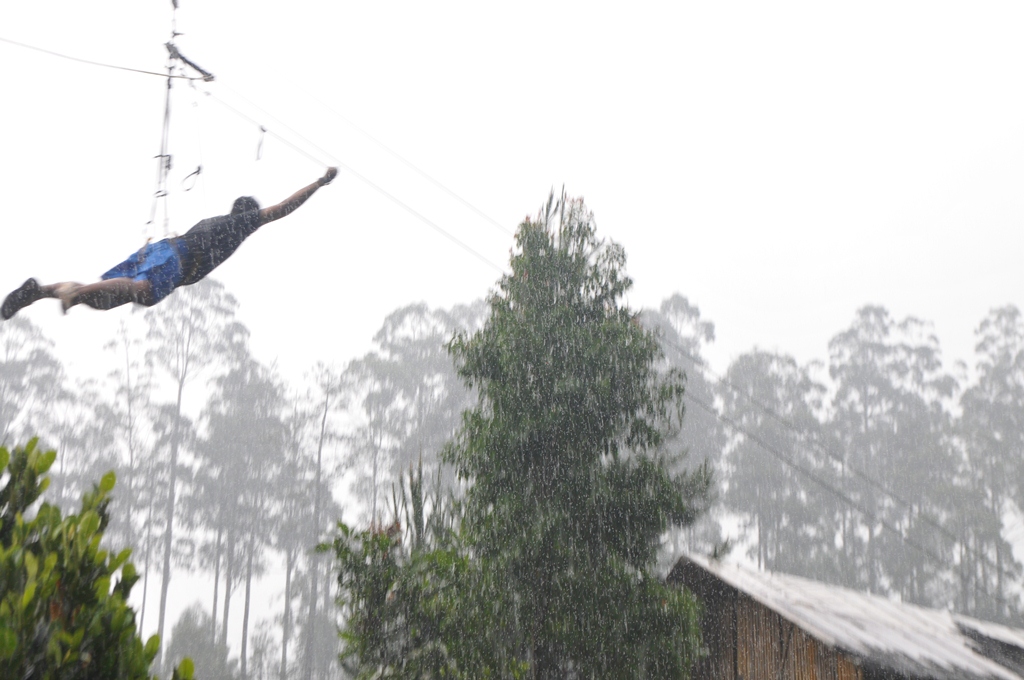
pixel 63 598
pixel 413 597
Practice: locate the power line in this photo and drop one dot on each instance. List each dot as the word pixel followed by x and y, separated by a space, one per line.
pixel 355 173
pixel 250 119
pixel 451 237
pixel 838 493
pixel 412 166
pixel 775 453
pixel 767 410
pixel 697 361
pixel 93 63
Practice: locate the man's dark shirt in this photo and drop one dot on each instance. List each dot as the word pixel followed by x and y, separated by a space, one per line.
pixel 211 241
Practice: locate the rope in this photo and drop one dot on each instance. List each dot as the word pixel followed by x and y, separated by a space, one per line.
pixel 199 134
pixel 93 63
pixel 194 174
pixel 164 158
pixel 259 145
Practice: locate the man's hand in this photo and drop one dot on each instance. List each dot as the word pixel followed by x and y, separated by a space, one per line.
pixel 276 212
pixel 328 176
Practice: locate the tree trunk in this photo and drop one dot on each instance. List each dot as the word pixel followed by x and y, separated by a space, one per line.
pixel 286 618
pixel 165 577
pixel 325 605
pixel 964 607
pixel 872 586
pixel 313 561
pixel 228 576
pixel 131 439
pixel 777 543
pixel 760 532
pixel 545 663
pixel 145 578
pixel 216 584
pixel 980 576
pixel 245 614
pixel 1000 597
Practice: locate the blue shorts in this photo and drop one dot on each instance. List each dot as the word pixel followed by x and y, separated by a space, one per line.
pixel 159 263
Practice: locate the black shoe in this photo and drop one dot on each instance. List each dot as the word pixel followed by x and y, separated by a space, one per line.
pixel 22 297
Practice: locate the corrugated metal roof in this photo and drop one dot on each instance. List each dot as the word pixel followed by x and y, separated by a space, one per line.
pixel 906 638
pixel 993 631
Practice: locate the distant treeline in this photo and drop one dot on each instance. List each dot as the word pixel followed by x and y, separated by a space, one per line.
pixel 880 470
pixel 251 482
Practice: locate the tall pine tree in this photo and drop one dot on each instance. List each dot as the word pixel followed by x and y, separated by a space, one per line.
pixel 569 492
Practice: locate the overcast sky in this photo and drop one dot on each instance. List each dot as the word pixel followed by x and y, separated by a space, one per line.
pixel 781 164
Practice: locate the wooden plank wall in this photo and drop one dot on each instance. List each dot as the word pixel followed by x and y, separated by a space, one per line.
pixel 746 641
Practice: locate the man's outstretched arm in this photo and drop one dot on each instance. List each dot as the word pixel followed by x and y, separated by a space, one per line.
pixel 288 205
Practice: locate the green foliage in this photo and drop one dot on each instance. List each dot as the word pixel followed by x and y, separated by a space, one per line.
pixel 63 597
pixel 410 605
pixel 546 570
pixel 570 491
pixel 410 596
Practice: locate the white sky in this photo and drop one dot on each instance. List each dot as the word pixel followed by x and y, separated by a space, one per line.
pixel 781 164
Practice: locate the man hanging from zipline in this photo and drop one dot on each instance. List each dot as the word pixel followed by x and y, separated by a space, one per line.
pixel 148 276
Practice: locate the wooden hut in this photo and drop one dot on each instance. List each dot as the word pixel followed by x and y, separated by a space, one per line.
pixel 767 626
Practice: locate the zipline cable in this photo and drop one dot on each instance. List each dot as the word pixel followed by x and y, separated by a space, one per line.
pixel 839 494
pixel 391 151
pixel 850 501
pixel 161 190
pixel 161 193
pixel 94 63
pixel 355 173
pixel 412 166
pixel 264 130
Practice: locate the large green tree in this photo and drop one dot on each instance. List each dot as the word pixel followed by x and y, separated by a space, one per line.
pixel 569 488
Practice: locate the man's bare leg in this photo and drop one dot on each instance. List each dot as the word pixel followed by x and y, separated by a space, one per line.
pixel 101 295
